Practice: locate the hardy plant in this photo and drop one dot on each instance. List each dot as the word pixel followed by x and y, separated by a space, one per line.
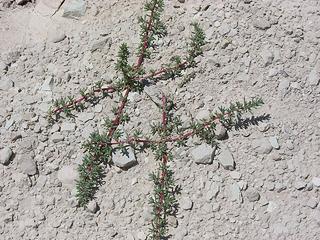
pixel 170 132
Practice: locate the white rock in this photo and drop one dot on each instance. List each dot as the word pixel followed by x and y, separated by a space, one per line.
pixel 225 158
pixel 203 154
pixel 300 185
pixel 235 175
pixel 272 206
pixel 47 84
pixel 5 155
pixel 203 114
pixel 220 132
pixel 124 160
pixel 68 175
pixel 312 203
pixel 85 117
pixel 57 37
pixel 316 181
pixel 186 203
pixel 99 44
pixel 313 78
pixel 57 137
pixel 274 142
pixel 6 83
pixel 261 23
pixel 235 193
pixel 74 9
pixel 212 192
pixel 283 87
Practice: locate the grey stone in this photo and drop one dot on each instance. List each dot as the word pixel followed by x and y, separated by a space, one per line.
pixel 186 203
pixel 203 154
pixel 5 83
pixel 261 23
pixel 85 117
pixel 27 163
pixel 5 155
pixel 316 181
pixel 262 146
pixel 252 195
pixel 92 206
pixel 283 87
pixel 235 193
pixel 225 158
pixel 74 9
pixel 221 132
pixel 274 142
pixel 124 160
pixel 68 175
pixel 313 78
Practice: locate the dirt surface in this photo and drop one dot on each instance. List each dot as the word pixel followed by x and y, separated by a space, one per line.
pixel 266 48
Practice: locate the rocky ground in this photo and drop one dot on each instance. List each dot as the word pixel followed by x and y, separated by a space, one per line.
pixel 263 184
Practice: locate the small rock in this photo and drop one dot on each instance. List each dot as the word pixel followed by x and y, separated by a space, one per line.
pixel 74 9
pixel 262 146
pixel 6 83
pixel 312 203
pixel 235 193
pixel 300 185
pixel 100 44
pixel 272 206
pixel 212 192
pixel 283 87
pixel 27 163
pixel 5 155
pixel 313 78
pixel 57 37
pixel 57 137
pixel 267 56
pixel 221 132
pixel 172 221
pixel 274 142
pixel 316 181
pixel 225 158
pixel 203 154
pixel 68 175
pixel 85 117
pixel 92 206
pixel 261 23
pixel 252 195
pixel 243 185
pixel 186 203
pixel 263 127
pixel 141 235
pixel 235 175
pixel 203 114
pixel 47 85
pixel 124 160
pixel 68 127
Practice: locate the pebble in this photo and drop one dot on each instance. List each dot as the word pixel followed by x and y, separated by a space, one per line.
pixel 203 114
pixel 68 127
pixel 6 83
pixel 212 192
pixel 235 193
pixel 261 23
pixel 58 37
pixel 312 203
pixel 125 160
pixel 47 84
pixel 220 132
pixel 5 155
pixel 274 142
pixel 203 154
pixel 316 181
pixel 186 203
pixel 68 175
pixel 57 137
pixel 225 158
pixel 74 9
pixel 262 146
pixel 92 206
pixel 85 117
pixel 27 163
pixel 300 185
pixel 252 195
pixel 313 78
pixel 98 45
pixel 267 56
pixel 235 175
pixel 283 87
pixel 272 206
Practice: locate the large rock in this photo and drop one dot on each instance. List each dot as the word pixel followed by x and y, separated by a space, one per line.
pixel 124 159
pixel 5 155
pixel 203 154
pixel 74 9
pixel 225 158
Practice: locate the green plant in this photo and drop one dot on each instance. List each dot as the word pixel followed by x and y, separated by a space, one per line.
pixel 165 135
